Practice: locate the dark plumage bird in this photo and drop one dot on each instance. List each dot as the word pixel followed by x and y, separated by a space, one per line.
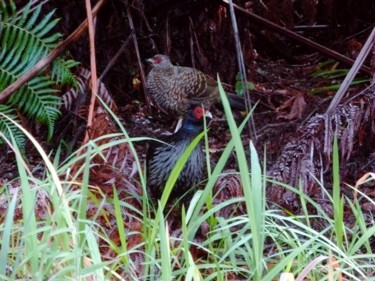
pixel 161 158
pixel 174 88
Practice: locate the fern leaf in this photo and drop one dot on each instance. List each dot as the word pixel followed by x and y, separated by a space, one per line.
pixel 5 13
pixel 31 21
pixel 29 34
pixel 8 128
pixel 21 20
pixel 37 99
pixel 61 72
pixel 25 38
pixel 43 27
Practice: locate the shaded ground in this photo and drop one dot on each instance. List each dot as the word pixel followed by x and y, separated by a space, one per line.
pixel 292 80
pixel 287 78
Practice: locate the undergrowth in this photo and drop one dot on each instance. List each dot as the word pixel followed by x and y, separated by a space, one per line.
pixel 261 243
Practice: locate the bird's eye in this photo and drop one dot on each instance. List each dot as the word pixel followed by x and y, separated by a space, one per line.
pixel 156 59
pixel 198 112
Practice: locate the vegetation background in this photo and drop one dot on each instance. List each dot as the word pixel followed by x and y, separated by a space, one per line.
pixel 289 189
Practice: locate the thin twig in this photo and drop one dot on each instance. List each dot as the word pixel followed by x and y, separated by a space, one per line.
pixel 320 48
pixel 241 65
pixel 26 77
pixel 352 72
pixel 191 27
pixel 168 41
pixel 115 57
pixel 94 76
pixel 149 29
pixel 135 42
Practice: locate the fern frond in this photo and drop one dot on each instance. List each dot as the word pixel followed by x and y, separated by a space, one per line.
pixel 25 38
pixel 37 99
pixel 61 72
pixel 7 11
pixel 43 27
pixel 8 128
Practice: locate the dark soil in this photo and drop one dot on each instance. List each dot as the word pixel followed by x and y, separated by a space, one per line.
pixel 287 77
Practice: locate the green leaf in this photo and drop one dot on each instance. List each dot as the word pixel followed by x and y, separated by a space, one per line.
pixel 25 38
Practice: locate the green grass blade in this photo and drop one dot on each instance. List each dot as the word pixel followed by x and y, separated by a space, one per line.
pixel 6 234
pixel 166 270
pixel 120 226
pixel 194 221
pixel 177 169
pixel 253 197
pixel 338 201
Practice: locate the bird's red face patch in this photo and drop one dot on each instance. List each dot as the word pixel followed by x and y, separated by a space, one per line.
pixel 199 112
pixel 157 59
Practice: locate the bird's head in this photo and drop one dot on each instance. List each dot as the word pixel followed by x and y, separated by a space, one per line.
pixel 160 61
pixel 199 112
pixel 194 120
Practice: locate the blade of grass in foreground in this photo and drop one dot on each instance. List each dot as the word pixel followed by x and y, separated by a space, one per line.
pixel 83 200
pixel 177 169
pixel 165 251
pixel 51 169
pixel 252 188
pixel 194 220
pixel 338 201
pixel 120 226
pixel 6 235
pixel 28 204
pixel 150 242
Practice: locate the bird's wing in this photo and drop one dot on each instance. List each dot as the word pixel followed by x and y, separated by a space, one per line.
pixel 166 92
pixel 191 82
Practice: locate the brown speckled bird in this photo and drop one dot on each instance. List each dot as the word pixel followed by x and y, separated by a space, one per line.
pixel 174 88
pixel 162 157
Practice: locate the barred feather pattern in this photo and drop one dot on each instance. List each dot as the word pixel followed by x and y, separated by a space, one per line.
pixel 162 158
pixel 174 88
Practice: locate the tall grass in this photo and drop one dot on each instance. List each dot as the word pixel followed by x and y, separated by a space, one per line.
pixel 261 244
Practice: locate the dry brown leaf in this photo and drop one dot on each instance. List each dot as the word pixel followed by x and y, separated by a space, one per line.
pixel 292 108
pixel 361 181
pixel 333 264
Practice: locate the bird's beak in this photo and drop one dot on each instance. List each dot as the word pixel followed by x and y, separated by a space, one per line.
pixel 150 60
pixel 207 114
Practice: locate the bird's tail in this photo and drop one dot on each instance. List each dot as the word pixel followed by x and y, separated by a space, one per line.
pixel 236 102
